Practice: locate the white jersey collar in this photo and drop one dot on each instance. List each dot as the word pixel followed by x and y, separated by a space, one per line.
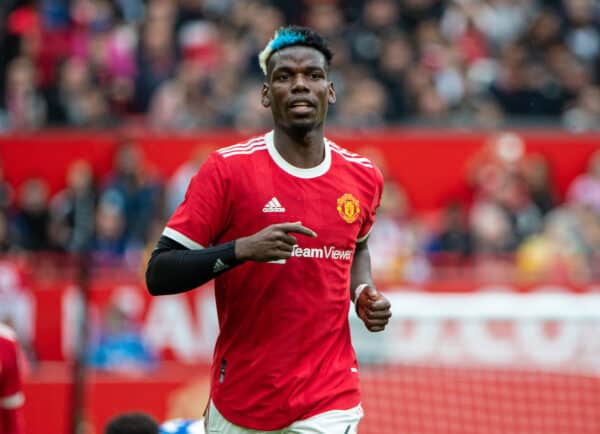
pixel 311 172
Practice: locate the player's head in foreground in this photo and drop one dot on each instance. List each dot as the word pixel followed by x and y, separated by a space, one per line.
pixel 132 423
pixel 296 63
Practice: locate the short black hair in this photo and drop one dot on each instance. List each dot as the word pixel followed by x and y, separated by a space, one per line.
pixel 132 423
pixel 292 36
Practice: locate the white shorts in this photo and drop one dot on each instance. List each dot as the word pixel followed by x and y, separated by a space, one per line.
pixel 330 422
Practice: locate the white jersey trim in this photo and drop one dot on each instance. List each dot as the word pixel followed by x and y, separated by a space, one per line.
pixel 248 148
pixel 246 152
pixel 182 239
pixel 350 156
pixel 364 238
pixel 298 172
pixel 239 146
pixel 13 401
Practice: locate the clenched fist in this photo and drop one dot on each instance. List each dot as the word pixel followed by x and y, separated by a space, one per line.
pixel 373 309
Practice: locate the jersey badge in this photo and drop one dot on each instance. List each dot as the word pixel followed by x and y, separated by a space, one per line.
pixel 348 208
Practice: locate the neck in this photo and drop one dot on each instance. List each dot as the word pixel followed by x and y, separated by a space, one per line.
pixel 300 149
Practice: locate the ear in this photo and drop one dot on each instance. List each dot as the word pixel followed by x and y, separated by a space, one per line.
pixel 265 98
pixel 331 94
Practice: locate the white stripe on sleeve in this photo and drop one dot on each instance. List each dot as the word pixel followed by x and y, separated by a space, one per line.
pixel 182 239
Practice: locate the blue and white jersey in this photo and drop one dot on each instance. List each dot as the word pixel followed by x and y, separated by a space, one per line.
pixel 183 426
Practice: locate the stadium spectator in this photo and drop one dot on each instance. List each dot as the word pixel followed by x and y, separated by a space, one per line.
pixel 24 107
pixel 454 236
pixel 110 240
pixel 32 219
pixel 585 189
pixel 137 191
pixel 11 393
pixel 536 174
pixel 118 345
pixel 265 288
pixel 73 210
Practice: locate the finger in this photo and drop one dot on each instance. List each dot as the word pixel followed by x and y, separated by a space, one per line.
pixel 287 239
pixel 379 314
pixel 372 293
pixel 377 321
pixel 284 246
pixel 278 254
pixel 381 304
pixel 376 325
pixel 376 328
pixel 296 228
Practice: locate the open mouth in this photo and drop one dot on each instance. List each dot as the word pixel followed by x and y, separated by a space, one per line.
pixel 300 103
pixel 301 107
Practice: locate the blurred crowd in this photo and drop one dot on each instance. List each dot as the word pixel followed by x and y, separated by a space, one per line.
pixel 187 64
pixel 515 227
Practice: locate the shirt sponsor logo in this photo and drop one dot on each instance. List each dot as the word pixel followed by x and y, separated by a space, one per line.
pixel 325 252
pixel 348 208
pixel 273 206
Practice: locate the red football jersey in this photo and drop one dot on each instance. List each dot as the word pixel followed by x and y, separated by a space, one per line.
pixel 283 351
pixel 11 394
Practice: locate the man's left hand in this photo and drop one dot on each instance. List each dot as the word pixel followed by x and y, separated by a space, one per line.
pixel 373 309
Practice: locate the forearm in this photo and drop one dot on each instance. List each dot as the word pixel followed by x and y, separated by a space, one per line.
pixel 361 269
pixel 173 268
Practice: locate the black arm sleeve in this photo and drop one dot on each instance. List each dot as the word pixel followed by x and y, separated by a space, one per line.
pixel 173 268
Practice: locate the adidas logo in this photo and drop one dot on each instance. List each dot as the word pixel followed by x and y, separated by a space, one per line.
pixel 273 206
pixel 219 266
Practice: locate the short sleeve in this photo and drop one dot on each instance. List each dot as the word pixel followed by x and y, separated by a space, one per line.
pixel 11 395
pixel 367 225
pixel 200 218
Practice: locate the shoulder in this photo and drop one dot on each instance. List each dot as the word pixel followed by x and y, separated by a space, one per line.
pixel 230 159
pixel 357 163
pixel 243 149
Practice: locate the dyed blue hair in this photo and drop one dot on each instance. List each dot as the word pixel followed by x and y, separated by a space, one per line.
pixel 293 36
pixel 285 38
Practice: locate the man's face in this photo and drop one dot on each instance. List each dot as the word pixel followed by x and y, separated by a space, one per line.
pixel 297 89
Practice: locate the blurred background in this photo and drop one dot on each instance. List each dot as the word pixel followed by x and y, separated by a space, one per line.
pixel 483 115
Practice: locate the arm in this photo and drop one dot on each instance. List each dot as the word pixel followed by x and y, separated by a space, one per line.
pixel 173 268
pixel 11 393
pixel 372 307
pixel 12 420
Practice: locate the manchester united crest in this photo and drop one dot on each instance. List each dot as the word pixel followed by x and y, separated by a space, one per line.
pixel 348 208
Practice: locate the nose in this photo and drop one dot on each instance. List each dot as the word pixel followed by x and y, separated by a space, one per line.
pixel 299 83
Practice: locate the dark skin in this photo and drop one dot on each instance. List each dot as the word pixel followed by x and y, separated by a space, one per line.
pixel 298 93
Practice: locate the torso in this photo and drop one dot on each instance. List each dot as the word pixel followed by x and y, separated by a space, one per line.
pixel 284 337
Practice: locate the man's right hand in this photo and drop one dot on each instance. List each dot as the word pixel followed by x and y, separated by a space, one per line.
pixel 271 243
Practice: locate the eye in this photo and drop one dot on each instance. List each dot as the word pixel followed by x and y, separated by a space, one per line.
pixel 282 76
pixel 316 75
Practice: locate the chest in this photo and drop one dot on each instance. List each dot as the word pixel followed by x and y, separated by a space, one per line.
pixel 332 205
